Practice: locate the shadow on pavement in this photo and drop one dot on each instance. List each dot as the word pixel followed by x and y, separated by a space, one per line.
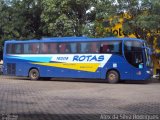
pixel 90 80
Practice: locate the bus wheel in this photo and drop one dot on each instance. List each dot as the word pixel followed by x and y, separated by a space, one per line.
pixel 112 76
pixel 34 74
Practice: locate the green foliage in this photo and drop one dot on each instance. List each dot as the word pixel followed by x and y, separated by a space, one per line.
pixel 103 10
pixel 144 17
pixel 66 17
pixel 28 19
pixel 20 19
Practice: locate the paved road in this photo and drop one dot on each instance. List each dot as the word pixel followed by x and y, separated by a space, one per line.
pixel 68 99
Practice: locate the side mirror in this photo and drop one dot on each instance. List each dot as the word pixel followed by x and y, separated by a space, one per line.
pixel 140 66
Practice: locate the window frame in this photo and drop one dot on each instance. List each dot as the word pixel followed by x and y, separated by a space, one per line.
pixel 114 41
pixel 14 48
pixel 77 50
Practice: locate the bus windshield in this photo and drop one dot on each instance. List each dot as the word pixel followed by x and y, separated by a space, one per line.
pixel 133 52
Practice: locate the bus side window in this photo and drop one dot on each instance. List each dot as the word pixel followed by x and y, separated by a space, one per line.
pixel 116 47
pixel 18 49
pixel 10 48
pixel 104 47
pixel 94 48
pixel 53 48
pixel 63 48
pixel 26 49
pixel 83 48
pixel 35 48
pixel 44 48
pixel 73 47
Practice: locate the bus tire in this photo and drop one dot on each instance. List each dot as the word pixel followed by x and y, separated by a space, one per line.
pixel 34 74
pixel 112 76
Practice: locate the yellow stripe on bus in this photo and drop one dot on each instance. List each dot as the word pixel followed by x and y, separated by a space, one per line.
pixel 89 67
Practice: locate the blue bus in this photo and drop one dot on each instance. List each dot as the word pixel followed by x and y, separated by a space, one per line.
pixel 112 59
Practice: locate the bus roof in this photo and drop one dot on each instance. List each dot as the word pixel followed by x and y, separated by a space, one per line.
pixel 72 39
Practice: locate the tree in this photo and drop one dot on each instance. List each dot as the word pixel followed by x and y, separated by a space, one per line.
pixel 143 20
pixel 31 11
pixel 66 17
pixel 104 11
pixel 20 19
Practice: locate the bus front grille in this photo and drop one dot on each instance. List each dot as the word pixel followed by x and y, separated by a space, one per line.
pixel 11 68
